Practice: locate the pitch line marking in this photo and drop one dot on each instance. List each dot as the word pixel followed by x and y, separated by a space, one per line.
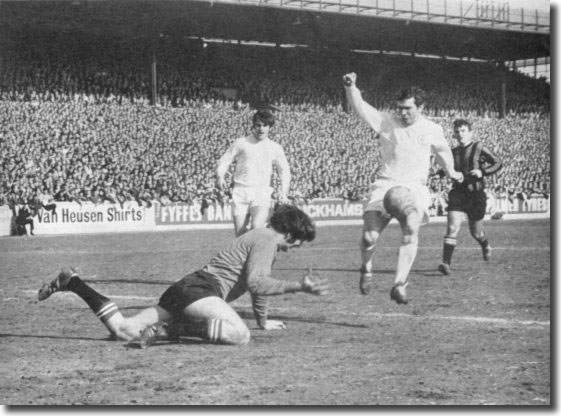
pixel 471 319
pixel 477 248
pixel 153 298
pixel 480 319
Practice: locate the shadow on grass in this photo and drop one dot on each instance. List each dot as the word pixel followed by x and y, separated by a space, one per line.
pixel 121 308
pixel 57 337
pixel 132 281
pixel 432 272
pixel 249 315
pixel 321 269
pixel 181 340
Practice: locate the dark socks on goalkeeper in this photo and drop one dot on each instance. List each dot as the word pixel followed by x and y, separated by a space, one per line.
pixel 102 306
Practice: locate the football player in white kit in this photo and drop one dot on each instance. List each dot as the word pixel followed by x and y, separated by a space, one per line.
pixel 255 155
pixel 407 140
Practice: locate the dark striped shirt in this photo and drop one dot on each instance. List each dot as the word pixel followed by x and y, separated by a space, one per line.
pixel 471 157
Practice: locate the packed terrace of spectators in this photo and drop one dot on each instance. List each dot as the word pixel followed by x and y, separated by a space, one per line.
pixel 77 122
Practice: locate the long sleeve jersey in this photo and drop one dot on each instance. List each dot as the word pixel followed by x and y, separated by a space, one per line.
pixel 474 156
pixel 405 150
pixel 245 265
pixel 254 163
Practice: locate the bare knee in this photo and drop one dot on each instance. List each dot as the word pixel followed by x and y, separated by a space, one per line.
pixel 124 329
pixel 241 337
pixel 477 234
pixel 129 328
pixel 452 230
pixel 127 331
pixel 454 223
pixel 222 331
pixel 476 230
pixel 368 240
pixel 410 239
pixel 240 229
pixel 259 220
pixel 410 227
pixel 241 224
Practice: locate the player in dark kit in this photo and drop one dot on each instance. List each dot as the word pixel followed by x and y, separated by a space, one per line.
pixel 475 161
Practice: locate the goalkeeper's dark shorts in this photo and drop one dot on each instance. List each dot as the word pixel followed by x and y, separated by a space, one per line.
pixel 473 203
pixel 194 286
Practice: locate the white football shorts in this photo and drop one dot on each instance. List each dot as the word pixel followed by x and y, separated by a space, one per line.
pixel 246 197
pixel 379 188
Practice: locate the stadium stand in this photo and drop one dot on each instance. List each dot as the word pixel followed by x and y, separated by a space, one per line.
pixel 78 125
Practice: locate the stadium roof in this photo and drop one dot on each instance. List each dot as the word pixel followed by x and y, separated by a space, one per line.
pixel 315 23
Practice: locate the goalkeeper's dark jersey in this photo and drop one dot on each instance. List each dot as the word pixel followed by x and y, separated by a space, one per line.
pixel 474 156
pixel 245 265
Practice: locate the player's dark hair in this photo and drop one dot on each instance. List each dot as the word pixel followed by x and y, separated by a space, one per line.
pixel 413 92
pixel 288 219
pixel 265 117
pixel 461 122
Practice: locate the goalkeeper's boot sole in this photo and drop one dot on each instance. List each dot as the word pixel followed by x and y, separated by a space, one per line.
pixel 398 294
pixel 58 284
pixel 365 281
pixel 149 336
pixel 486 251
pixel 444 269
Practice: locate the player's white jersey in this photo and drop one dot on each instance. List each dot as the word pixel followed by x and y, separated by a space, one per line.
pixel 254 162
pixel 406 150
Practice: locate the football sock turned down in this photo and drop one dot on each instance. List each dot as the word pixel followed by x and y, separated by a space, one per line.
pixel 448 250
pixel 103 307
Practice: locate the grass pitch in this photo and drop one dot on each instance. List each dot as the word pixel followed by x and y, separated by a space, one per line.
pixel 480 336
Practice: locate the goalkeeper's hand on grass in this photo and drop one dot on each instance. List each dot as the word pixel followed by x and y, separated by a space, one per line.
pixel 273 324
pixel 314 285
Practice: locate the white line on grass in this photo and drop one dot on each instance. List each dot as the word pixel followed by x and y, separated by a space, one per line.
pixel 477 248
pixel 151 298
pixel 480 319
pixel 471 319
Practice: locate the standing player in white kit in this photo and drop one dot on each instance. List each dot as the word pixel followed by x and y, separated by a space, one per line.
pixel 255 155
pixel 407 140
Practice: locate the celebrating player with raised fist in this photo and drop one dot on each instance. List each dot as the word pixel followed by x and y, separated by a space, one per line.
pixel 407 140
